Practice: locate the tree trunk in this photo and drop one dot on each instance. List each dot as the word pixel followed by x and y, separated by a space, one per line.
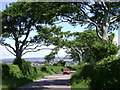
pixel 18 51
pixel 105 32
pixel 18 57
pixel 80 56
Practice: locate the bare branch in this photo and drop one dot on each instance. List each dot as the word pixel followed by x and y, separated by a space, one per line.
pixel 10 51
pixel 34 47
pixel 24 41
pixel 95 26
pixel 8 45
pixel 112 19
pixel 26 46
pixel 79 53
pixel 104 5
pixel 75 50
pixel 89 21
pixel 37 50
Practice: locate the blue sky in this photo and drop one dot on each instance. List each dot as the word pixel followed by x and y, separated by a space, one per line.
pixel 66 27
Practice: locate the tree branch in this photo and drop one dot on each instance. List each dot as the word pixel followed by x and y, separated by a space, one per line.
pixel 24 41
pixel 34 47
pixel 104 5
pixel 28 44
pixel 112 19
pixel 5 44
pixel 79 53
pixel 89 21
pixel 10 51
pixel 37 50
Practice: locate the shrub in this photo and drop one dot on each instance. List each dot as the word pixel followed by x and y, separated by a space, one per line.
pixel 12 76
pixel 105 74
pixel 11 71
pixel 81 76
pixel 25 67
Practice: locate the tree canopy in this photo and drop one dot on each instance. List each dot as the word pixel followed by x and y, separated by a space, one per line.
pixel 86 46
pixel 20 20
pixel 103 16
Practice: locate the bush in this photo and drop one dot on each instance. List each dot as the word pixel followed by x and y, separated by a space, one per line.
pixel 76 67
pixel 105 74
pixel 11 71
pixel 14 77
pixel 25 67
pixel 82 77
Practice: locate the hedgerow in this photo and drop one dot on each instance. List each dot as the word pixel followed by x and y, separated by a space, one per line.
pixel 14 76
pixel 105 74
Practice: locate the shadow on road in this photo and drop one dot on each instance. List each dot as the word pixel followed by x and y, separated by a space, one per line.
pixel 48 83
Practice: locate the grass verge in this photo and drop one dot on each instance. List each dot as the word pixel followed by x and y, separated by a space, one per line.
pixel 12 76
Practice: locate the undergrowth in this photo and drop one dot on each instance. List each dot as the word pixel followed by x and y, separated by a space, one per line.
pixel 104 74
pixel 14 76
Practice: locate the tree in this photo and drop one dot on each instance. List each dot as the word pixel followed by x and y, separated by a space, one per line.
pixel 60 63
pixel 104 16
pixel 19 20
pixel 49 57
pixel 87 47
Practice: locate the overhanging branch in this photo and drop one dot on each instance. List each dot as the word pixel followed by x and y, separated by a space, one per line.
pixel 8 45
pixel 34 47
pixel 104 5
pixel 10 51
pixel 37 50
pixel 112 19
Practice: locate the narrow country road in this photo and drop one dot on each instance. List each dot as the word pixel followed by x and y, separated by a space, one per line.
pixel 56 81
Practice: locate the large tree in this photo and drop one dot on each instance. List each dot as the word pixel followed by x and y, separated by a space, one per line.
pixel 86 46
pixel 102 16
pixel 27 27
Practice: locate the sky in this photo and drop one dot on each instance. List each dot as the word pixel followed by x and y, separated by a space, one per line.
pixel 66 27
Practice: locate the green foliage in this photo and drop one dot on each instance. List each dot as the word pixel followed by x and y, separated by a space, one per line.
pixel 103 50
pixel 24 66
pixel 49 57
pixel 107 73
pixel 14 77
pixel 60 63
pixel 104 74
pixel 10 70
pixel 22 18
pixel 93 49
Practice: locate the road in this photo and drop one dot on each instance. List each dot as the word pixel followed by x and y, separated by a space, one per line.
pixel 56 81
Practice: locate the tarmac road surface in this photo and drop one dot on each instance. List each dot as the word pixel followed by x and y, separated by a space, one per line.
pixel 52 82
